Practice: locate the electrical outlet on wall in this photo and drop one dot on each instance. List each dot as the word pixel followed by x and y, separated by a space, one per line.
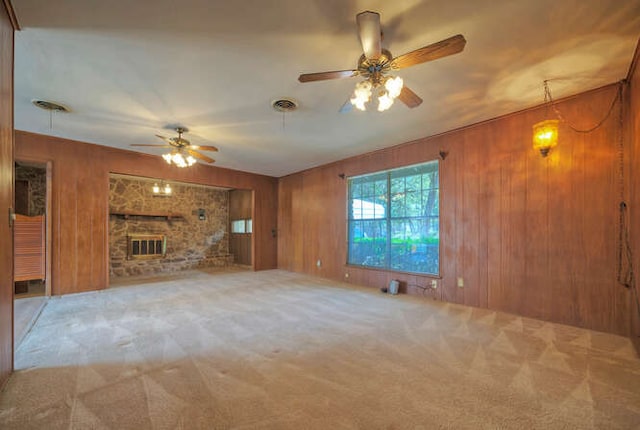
pixel 460 282
pixel 434 284
pixel 319 263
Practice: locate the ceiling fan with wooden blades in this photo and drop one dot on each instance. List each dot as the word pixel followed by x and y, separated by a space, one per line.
pixel 376 64
pixel 181 146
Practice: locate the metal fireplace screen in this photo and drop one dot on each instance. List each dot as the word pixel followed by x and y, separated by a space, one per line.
pixel 146 246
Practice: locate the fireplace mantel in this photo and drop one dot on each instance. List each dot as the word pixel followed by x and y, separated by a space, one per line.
pixel 129 214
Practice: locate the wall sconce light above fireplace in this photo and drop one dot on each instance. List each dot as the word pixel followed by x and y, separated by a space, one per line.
pixel 163 189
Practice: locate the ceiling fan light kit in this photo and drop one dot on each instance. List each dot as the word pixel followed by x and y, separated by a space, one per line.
pixel 177 158
pixel 387 93
pixel 376 63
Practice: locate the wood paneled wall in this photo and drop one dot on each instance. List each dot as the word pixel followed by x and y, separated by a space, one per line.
pixel 240 207
pixel 529 235
pixel 80 187
pixel 633 129
pixel 6 193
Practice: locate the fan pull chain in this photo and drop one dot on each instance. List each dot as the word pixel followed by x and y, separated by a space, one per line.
pixel 624 279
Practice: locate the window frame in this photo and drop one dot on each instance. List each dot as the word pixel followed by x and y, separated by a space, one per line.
pixel 389 219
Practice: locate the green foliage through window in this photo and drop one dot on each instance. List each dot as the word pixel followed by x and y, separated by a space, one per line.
pixel 394 220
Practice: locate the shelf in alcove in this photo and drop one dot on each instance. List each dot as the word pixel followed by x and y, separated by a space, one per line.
pixel 129 214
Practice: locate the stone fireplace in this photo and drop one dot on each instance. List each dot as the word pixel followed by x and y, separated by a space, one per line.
pixel 150 235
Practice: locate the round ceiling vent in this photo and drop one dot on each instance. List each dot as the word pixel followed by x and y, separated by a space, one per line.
pixel 50 106
pixel 284 105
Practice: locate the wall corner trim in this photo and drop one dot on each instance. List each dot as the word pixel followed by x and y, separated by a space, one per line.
pixel 12 15
pixel 634 62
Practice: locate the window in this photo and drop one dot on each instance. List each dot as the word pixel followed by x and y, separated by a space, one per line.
pixel 394 221
pixel 242 226
pixel 237 226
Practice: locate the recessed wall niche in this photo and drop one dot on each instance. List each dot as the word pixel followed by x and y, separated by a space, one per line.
pixel 192 241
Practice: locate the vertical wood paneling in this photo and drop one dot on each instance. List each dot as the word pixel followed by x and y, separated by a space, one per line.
pixel 483 221
pixel 6 195
pixel 458 242
pixel 284 225
pixel 310 218
pixel 494 226
pixel 601 150
pixel 632 130
pixel 565 197
pixel 80 204
pixel 632 118
pixel 471 245
pixel 529 235
pixel 512 215
pixel 536 229
pixel 297 223
pixel 448 231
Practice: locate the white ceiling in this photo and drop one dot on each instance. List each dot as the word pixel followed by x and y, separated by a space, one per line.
pixel 128 69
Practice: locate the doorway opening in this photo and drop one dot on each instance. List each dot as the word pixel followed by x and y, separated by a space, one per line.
pixel 32 244
pixel 241 227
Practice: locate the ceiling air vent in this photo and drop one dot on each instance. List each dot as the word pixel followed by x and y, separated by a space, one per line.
pixel 284 105
pixel 50 106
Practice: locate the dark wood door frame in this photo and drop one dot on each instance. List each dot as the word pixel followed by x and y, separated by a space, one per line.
pixel 8 25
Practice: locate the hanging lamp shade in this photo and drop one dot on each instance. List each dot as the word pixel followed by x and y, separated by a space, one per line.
pixel 545 136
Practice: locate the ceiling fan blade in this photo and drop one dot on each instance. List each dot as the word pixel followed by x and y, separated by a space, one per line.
pixel 347 106
pixel 369 32
pixel 204 147
pixel 446 47
pixel 323 76
pixel 166 139
pixel 409 98
pixel 202 157
pixel 159 145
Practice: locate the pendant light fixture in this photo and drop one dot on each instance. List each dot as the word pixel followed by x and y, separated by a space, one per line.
pixel 545 133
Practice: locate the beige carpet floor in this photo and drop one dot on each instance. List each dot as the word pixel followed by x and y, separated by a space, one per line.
pixel 277 350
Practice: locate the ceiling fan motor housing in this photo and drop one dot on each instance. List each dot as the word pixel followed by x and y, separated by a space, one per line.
pixel 375 69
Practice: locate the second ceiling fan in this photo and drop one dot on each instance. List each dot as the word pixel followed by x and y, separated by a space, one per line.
pixel 376 63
